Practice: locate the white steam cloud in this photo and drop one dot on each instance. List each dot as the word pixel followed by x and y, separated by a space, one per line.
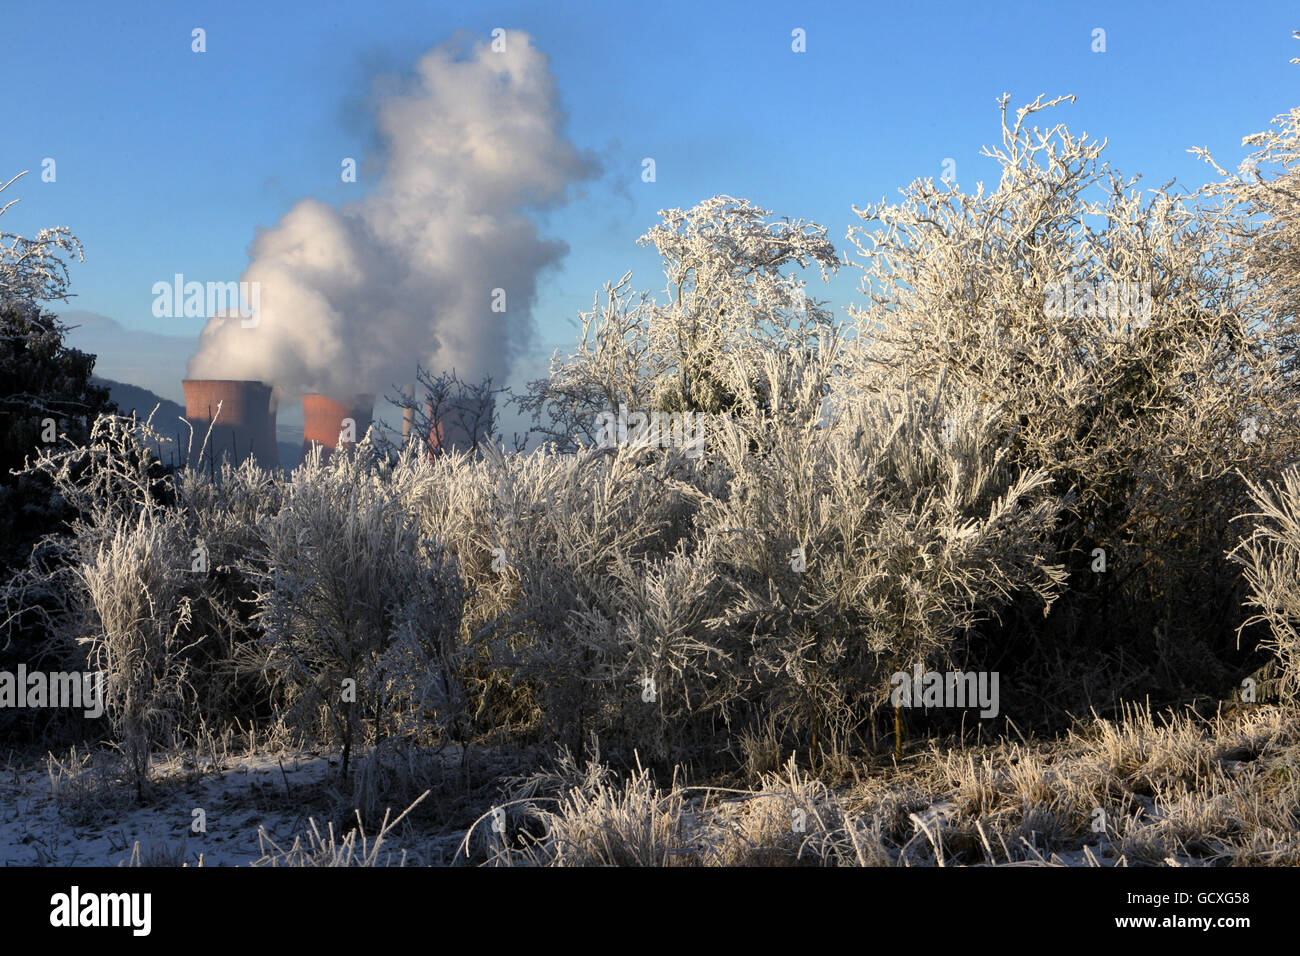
pixel 351 298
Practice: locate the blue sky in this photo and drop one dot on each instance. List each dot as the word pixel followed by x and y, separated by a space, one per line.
pixel 168 160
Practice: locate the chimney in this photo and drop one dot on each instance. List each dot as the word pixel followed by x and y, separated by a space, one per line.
pixel 245 425
pixel 323 420
pixel 408 414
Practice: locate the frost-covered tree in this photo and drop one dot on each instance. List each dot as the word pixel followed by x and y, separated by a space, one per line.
pixel 1263 226
pixel 731 291
pixel 360 613
pixel 1111 329
pixel 45 385
pixel 34 269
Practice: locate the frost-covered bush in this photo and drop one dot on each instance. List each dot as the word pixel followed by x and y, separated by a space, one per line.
pixel 730 290
pixel 1270 557
pixel 660 583
pixel 225 512
pixel 1112 327
pixel 560 557
pixel 137 591
pixel 857 544
pixel 451 496
pixel 115 587
pixel 110 485
pixel 652 593
pixel 570 535
pixel 360 612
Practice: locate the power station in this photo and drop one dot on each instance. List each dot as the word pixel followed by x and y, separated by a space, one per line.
pixel 244 413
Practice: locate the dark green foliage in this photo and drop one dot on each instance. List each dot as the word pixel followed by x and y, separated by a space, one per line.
pixel 41 380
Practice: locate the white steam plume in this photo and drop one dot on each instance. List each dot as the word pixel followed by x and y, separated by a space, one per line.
pixel 351 298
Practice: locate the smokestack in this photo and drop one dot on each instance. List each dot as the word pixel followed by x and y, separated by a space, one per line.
pixel 408 414
pixel 324 418
pixel 245 425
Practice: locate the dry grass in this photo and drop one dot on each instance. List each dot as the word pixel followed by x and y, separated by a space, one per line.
pixel 88 787
pixel 328 848
pixel 159 855
pixel 1140 791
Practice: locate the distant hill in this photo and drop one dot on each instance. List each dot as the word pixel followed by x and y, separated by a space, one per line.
pixel 131 398
pixel 152 360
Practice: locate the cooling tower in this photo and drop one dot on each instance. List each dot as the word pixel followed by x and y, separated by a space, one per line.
pixel 323 420
pixel 245 424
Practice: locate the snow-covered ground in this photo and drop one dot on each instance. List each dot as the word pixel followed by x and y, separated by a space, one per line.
pixel 245 794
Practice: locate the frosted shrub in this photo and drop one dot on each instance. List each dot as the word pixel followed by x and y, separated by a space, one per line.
pixel 725 294
pixel 631 609
pixel 660 586
pixel 573 535
pixel 123 587
pixel 451 494
pixel 1271 560
pixel 135 587
pixel 360 612
pixel 656 593
pixel 112 588
pixel 856 547
pixel 112 477
pixel 224 513
pixel 211 523
pixel 227 510
pixel 1140 408
pixel 564 560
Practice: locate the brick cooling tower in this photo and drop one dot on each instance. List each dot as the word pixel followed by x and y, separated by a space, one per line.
pixel 244 426
pixel 323 420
